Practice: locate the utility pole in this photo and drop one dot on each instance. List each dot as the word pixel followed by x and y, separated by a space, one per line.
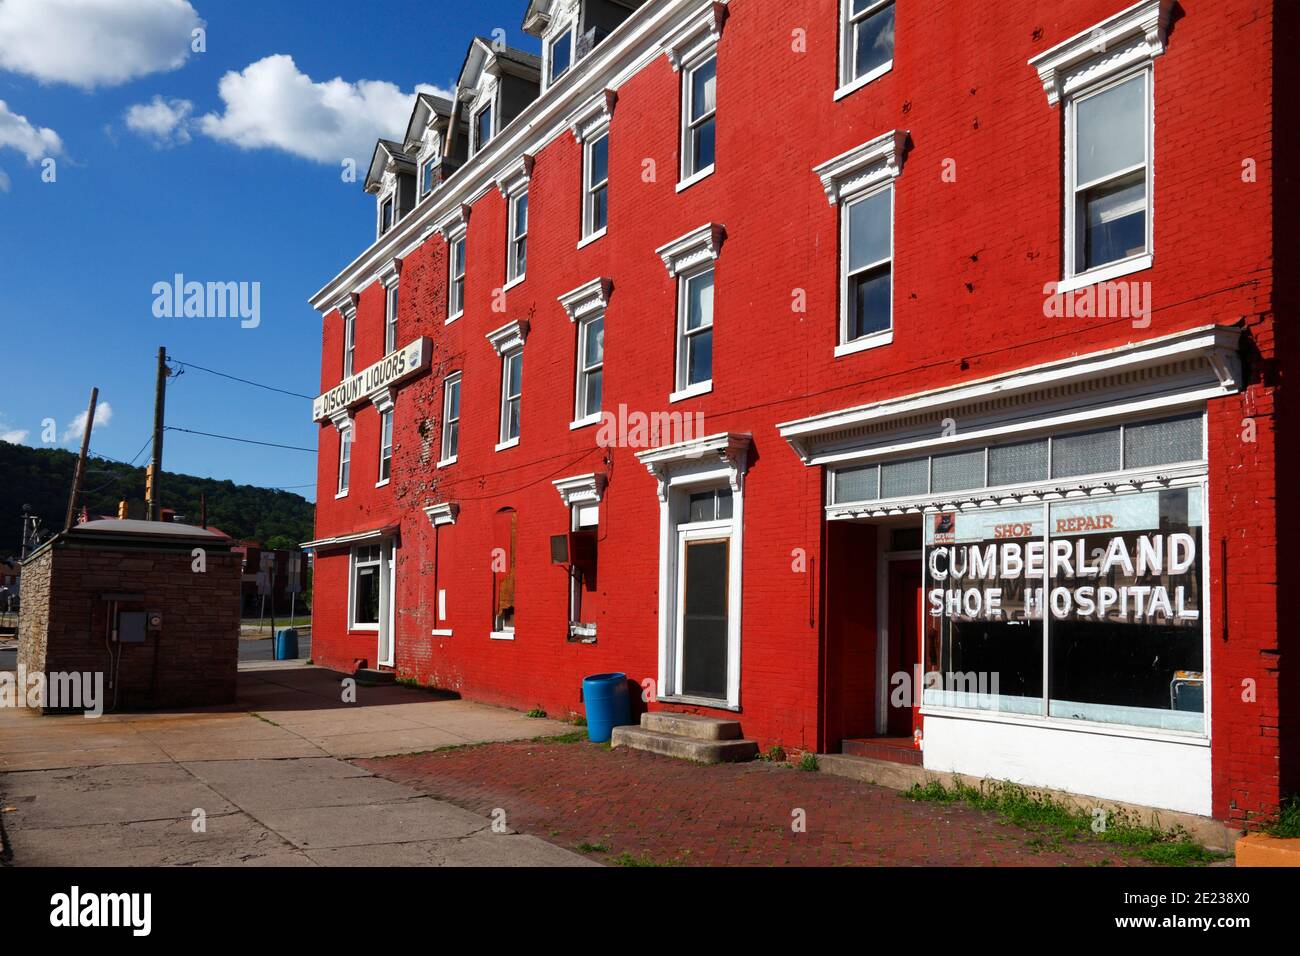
pixel 154 507
pixel 81 460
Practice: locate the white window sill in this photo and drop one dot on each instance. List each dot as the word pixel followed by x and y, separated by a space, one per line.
pixel 502 446
pixel 341 494
pixel 1106 273
pixel 598 234
pixel 502 635
pixel 855 85
pixel 699 388
pixel 873 341
pixel 582 632
pixel 690 181
pixel 452 318
pixel 439 632
pixel 367 628
pixel 1066 725
pixel 447 461
pixel 380 484
pixel 513 282
pixel 699 702
pixel 585 422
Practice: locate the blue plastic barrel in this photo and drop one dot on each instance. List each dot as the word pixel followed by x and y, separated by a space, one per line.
pixel 607 704
pixel 286 644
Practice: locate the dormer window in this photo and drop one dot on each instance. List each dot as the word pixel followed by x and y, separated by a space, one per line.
pixel 386 214
pixel 482 127
pixel 427 169
pixel 559 53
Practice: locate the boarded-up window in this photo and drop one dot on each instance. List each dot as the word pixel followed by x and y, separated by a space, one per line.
pixel 503 570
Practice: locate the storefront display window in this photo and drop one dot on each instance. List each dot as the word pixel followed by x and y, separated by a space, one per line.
pixel 1086 609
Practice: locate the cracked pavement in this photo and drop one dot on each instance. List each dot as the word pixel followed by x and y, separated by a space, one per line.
pixel 265 782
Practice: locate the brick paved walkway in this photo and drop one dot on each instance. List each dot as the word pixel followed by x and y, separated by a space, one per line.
pixel 647 808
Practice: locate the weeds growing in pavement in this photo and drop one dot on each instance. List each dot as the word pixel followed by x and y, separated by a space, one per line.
pixel 774 755
pixel 572 737
pixel 808 761
pixel 535 713
pixel 1059 822
pixel 1287 824
pixel 586 847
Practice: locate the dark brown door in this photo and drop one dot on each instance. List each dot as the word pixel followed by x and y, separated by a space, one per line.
pixel 904 640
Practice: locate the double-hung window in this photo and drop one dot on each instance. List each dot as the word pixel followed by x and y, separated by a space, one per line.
pixel 512 390
pixel 345 459
pixel 385 446
pixel 386 212
pixel 349 343
pixel 390 321
pixel 483 127
pixel 1109 174
pixel 866 41
pixel 695 331
pixel 450 419
pixel 591 366
pixel 867 230
pixel 456 278
pixel 699 118
pixel 517 253
pixel 427 174
pixel 559 53
pixel 595 208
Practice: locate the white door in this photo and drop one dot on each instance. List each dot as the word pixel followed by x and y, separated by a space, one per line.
pixel 387 605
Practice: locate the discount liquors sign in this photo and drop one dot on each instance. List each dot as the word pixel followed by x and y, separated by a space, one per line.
pixel 1131 559
pixel 393 368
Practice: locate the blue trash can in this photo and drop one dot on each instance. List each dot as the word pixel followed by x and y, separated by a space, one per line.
pixel 286 644
pixel 607 705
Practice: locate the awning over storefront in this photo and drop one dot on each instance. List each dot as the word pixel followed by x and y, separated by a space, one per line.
pixel 348 540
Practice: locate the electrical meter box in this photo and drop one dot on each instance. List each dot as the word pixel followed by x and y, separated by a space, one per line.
pixel 131 627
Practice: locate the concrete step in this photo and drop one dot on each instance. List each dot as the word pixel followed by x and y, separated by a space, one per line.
pixel 369 677
pixel 691 725
pixel 894 749
pixel 884 773
pixel 686 748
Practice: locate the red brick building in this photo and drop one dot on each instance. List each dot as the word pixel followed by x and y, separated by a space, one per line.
pixel 941 351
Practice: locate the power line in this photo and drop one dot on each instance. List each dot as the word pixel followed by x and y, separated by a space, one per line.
pixel 236 378
pixel 246 441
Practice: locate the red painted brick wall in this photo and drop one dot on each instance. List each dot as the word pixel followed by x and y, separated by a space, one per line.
pixel 971 261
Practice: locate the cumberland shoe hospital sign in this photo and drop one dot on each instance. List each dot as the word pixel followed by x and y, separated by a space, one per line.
pixel 393 368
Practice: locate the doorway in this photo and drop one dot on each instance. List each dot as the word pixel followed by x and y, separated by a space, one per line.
pixel 903 640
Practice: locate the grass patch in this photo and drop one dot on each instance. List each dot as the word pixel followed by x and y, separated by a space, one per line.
pixel 775 754
pixel 579 720
pixel 572 737
pixel 643 859
pixel 585 847
pixel 1287 824
pixel 536 713
pixel 1056 823
pixel 808 761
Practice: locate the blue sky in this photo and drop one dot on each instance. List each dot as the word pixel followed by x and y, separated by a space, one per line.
pixel 228 170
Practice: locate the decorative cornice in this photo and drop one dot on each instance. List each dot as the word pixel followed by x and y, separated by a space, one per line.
pixel 695 247
pixel 1194 365
pixel 342 419
pixel 392 273
pixel 383 398
pixel 516 176
pixel 863 167
pixel 581 489
pixel 587 298
pixel 594 118
pixel 698 36
pixel 1131 36
pixel 441 514
pixel 512 335
pixel 454 223
pixel 730 449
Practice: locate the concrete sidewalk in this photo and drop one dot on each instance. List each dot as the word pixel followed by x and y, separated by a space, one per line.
pixel 260 783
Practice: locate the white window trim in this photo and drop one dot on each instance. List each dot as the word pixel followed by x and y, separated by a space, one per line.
pixel 1116 49
pixel 346 438
pixel 489 102
pixel 386 413
pixel 349 342
pixel 391 292
pixel 585 302
pixel 455 228
pixel 681 388
pixel 702 463
pixel 697 39
pixel 848 83
pixel 1074 279
pixel 589 188
pixel 554 35
pixel 513 184
pixel 384 199
pixel 352 586
pixel 843 344
pixel 579 391
pixel 686 176
pixel 455 378
pixel 507 355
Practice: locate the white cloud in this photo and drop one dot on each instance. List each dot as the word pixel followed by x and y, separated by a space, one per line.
pixel 14 436
pixel 4 181
pixel 17 132
pixel 271 104
pixel 76 427
pixel 91 43
pixel 164 122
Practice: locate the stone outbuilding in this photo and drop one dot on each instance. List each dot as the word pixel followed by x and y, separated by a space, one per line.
pixel 153 607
